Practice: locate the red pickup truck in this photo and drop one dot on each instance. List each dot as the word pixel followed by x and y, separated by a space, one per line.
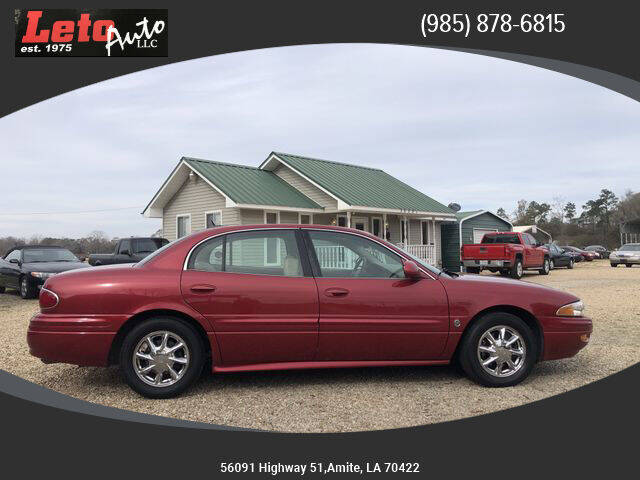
pixel 510 253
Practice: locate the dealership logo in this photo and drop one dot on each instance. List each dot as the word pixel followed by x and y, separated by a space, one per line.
pixel 91 33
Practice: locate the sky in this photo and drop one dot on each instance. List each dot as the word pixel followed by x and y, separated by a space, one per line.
pixel 464 128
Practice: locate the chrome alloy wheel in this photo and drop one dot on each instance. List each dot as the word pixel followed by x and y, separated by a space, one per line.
pixel 501 351
pixel 161 358
pixel 24 286
pixel 519 269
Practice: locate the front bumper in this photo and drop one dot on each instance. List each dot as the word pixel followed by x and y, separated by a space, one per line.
pixel 564 337
pixel 78 340
pixel 624 260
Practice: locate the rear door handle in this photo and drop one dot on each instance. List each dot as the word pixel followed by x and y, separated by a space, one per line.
pixel 203 289
pixel 336 292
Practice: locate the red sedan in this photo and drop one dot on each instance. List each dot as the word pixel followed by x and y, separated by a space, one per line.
pixel 268 297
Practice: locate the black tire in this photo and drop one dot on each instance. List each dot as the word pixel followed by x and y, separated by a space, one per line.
pixel 473 270
pixel 176 326
pixel 469 358
pixel 26 288
pixel 570 266
pixel 545 267
pixel 1 289
pixel 614 265
pixel 516 270
pixel 628 265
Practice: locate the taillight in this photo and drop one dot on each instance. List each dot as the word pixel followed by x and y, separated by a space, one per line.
pixel 48 299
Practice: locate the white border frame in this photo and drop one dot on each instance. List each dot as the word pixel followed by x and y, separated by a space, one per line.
pixel 213 211
pixel 183 215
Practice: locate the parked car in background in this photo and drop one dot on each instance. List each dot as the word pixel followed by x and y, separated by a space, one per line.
pixel 510 253
pixel 627 255
pixel 128 250
pixel 26 268
pixel 588 256
pixel 602 251
pixel 559 258
pixel 268 297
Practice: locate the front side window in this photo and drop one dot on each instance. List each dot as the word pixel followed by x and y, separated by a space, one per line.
pixel 125 246
pixel 346 255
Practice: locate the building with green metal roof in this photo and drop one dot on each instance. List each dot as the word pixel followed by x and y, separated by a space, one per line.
pixel 287 188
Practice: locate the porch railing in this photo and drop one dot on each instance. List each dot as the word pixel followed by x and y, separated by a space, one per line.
pixel 423 252
pixel 335 256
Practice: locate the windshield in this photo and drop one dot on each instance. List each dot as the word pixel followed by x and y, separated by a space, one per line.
pixel 631 248
pixel 504 238
pixel 34 255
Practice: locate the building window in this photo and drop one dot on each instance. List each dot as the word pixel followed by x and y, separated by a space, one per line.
pixel 271 217
pixel 272 244
pixel 342 220
pixel 213 219
pixel 183 225
pixel 305 218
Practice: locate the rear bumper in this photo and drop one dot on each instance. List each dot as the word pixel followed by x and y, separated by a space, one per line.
pixel 71 339
pixel 564 337
pixel 487 263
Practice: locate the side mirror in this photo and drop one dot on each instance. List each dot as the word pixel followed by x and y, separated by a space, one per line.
pixel 15 260
pixel 411 270
pixel 81 258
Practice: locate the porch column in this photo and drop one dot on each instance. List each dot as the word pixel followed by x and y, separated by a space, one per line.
pixel 384 226
pixel 349 219
pixel 406 231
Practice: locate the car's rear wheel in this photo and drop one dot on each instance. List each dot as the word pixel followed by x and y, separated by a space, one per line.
pixel 570 266
pixel 517 270
pixel 473 270
pixel 27 290
pixel 546 267
pixel 161 357
pixel 628 265
pixel 499 350
pixel 614 265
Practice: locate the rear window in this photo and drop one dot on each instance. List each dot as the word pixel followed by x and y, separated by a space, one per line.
pixel 501 238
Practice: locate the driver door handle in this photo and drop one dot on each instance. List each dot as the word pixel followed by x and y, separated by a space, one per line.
pixel 336 292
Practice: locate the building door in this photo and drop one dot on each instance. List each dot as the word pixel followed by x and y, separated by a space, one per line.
pixel 377 227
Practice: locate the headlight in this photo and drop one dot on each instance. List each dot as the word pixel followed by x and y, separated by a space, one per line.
pixel 42 275
pixel 574 309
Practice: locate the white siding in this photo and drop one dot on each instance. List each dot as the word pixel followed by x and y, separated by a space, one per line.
pixel 305 187
pixel 195 197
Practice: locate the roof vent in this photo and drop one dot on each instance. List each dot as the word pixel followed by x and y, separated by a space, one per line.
pixel 454 206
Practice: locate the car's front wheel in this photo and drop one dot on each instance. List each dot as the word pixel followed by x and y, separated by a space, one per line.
pixel 499 350
pixel 27 290
pixel 570 266
pixel 614 265
pixel 161 357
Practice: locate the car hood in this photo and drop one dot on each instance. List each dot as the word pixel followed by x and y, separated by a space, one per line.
pixel 53 267
pixel 492 283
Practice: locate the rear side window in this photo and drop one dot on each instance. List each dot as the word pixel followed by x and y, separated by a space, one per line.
pixel 501 238
pixel 263 252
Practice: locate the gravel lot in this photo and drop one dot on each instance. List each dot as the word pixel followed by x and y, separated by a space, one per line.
pixel 358 399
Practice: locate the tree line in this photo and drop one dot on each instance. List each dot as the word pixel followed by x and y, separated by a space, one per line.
pixel 96 242
pixel 597 224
